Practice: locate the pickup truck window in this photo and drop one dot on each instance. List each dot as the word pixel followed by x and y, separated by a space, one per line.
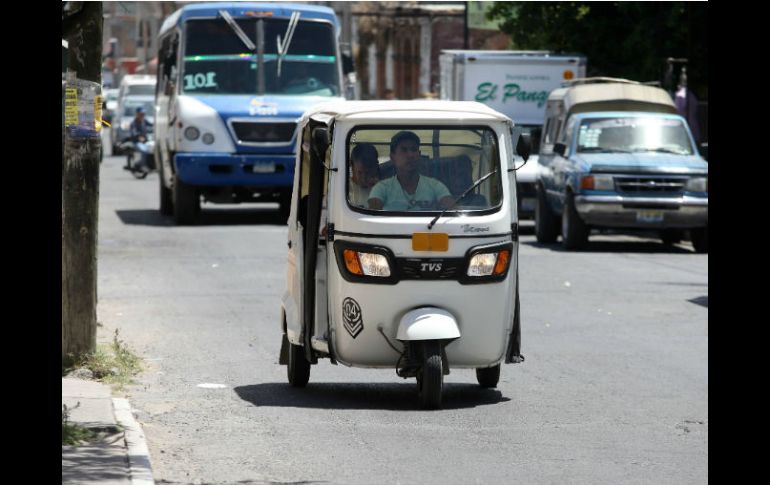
pixel 633 134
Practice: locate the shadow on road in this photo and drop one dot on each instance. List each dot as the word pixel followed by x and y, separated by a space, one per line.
pixel 640 246
pixel 701 300
pixel 390 396
pixel 207 217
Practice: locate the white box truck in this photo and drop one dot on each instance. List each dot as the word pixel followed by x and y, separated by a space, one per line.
pixel 517 84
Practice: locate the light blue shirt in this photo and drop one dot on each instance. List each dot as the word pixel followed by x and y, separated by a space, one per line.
pixel 394 198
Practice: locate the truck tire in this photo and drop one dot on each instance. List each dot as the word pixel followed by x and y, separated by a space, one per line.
pixel 186 203
pixel 700 239
pixel 298 370
pixel 166 201
pixel 574 232
pixel 488 376
pixel 546 223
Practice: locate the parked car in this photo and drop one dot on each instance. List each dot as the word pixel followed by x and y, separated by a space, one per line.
pixel 137 84
pixel 616 154
pixel 122 121
pixel 110 104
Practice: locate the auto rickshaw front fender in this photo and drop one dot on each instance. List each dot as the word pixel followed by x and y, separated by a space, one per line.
pixel 427 323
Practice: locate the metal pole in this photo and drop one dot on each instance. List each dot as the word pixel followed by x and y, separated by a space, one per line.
pixel 465 27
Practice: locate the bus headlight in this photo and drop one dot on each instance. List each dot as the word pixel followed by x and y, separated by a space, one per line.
pixel 207 138
pixel 192 133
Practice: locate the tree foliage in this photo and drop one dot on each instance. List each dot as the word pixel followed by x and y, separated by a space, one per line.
pixel 620 39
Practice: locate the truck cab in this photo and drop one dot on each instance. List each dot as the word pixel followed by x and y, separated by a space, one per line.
pixel 615 154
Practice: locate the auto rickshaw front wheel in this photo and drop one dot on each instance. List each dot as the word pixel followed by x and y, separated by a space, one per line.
pixel 298 369
pixel 488 376
pixel 430 379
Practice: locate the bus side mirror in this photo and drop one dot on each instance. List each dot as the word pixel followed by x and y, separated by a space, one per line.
pixel 560 148
pixel 523 146
pixel 320 142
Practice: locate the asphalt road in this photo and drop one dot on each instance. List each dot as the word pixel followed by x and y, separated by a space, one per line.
pixel 614 388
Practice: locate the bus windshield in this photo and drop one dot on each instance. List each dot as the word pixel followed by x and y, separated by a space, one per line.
pixel 216 61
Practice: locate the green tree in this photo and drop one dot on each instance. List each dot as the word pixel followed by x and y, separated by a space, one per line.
pixel 620 39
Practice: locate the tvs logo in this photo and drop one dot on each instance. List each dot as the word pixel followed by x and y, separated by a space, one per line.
pixel 430 267
pixel 351 316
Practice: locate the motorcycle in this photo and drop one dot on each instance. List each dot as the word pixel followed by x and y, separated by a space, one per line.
pixel 140 156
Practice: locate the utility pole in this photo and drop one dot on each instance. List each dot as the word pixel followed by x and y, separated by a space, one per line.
pixel 82 28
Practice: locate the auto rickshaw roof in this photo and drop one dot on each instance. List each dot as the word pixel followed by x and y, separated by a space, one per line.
pixel 407 111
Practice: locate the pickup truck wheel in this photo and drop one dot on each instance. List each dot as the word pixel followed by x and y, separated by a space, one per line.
pixel 700 239
pixel 489 376
pixel 166 202
pixel 546 223
pixel 186 203
pixel 574 232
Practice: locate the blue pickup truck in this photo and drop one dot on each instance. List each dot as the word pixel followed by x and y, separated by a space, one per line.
pixel 616 155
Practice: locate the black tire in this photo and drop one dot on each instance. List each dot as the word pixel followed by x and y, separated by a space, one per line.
pixel 700 239
pixel 186 203
pixel 431 379
pixel 546 223
pixel 298 369
pixel 488 376
pixel 671 236
pixel 574 232
pixel 166 201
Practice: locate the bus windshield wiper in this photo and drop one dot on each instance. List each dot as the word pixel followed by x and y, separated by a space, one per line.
pixel 461 197
pixel 238 31
pixel 283 47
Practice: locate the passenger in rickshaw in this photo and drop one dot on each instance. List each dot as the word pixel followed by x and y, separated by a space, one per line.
pixel 365 173
pixel 461 178
pixel 408 190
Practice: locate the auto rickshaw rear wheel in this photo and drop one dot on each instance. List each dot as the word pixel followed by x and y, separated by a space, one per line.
pixel 298 369
pixel 488 376
pixel 430 379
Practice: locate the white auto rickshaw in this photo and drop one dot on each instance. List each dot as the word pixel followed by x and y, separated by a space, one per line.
pixel 403 242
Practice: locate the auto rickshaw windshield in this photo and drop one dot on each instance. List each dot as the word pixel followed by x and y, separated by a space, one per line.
pixel 410 169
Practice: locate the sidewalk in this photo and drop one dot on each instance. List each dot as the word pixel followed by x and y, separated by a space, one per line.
pixel 120 456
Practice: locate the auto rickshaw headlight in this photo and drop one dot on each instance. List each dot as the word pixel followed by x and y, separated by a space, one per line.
pixel 366 264
pixel 489 264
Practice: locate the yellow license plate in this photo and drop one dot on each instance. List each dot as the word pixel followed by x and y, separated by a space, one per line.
pixel 430 241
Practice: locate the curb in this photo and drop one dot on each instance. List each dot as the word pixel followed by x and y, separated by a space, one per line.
pixel 138 453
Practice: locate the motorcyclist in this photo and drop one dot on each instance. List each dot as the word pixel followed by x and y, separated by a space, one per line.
pixel 139 130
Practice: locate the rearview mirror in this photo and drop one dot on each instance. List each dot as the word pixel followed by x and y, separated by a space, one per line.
pixel 523 146
pixel 704 151
pixel 320 142
pixel 560 148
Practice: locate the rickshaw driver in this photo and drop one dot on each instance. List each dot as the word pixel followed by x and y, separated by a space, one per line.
pixel 407 189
